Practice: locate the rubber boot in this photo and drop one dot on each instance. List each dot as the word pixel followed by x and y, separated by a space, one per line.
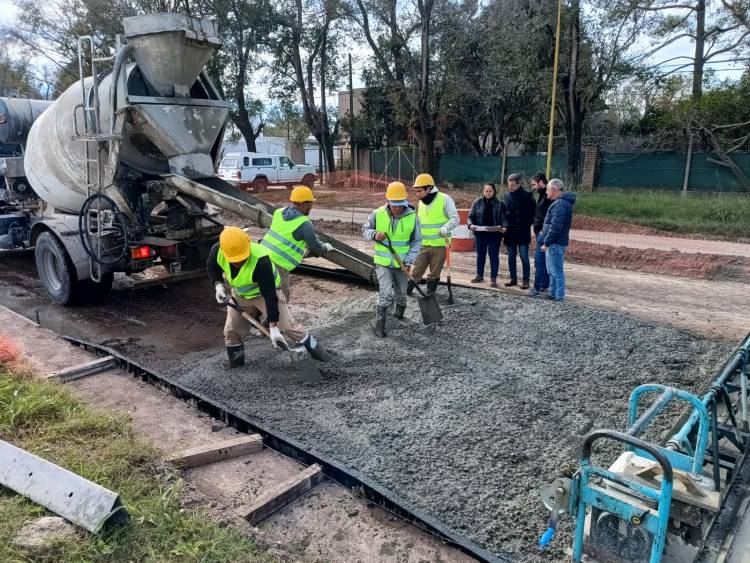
pixel 315 349
pixel 410 287
pixel 399 311
pixel 380 313
pixel 236 355
pixel 431 287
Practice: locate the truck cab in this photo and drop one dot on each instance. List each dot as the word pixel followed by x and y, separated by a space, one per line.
pixel 256 171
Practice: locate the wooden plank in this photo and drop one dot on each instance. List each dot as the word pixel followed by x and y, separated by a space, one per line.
pixel 217 451
pixel 83 370
pixel 281 495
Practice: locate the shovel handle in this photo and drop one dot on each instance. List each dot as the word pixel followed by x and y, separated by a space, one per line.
pixel 234 305
pixel 401 265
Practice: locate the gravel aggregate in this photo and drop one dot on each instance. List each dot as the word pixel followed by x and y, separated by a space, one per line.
pixel 467 422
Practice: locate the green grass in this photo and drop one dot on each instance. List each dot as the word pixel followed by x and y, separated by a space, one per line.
pixel 45 419
pixel 725 216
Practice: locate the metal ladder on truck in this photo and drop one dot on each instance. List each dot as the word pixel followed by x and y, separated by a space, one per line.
pixel 94 141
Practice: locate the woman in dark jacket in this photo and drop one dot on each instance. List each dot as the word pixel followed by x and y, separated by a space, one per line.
pixel 488 212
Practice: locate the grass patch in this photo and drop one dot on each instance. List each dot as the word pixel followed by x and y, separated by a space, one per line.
pixel 47 420
pixel 725 216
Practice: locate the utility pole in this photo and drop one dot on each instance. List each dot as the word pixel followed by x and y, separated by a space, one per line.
pixel 351 116
pixel 554 92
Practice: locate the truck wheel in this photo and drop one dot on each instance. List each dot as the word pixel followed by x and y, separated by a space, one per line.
pixel 56 270
pixel 260 185
pixel 308 180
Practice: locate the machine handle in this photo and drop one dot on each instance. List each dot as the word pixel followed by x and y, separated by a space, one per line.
pixel 631 441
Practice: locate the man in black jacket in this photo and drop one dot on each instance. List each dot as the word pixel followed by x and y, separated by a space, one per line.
pixel 519 208
pixel 541 277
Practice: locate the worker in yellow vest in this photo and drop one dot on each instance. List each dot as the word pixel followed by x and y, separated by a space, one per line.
pixel 256 286
pixel 292 234
pixel 395 222
pixel 437 217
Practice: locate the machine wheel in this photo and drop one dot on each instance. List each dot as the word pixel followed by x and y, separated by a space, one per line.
pixel 260 185
pixel 56 270
pixel 308 180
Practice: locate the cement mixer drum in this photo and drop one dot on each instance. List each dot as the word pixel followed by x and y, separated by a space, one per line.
pixel 174 118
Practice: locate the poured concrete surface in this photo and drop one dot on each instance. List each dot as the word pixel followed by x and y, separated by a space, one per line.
pixel 468 422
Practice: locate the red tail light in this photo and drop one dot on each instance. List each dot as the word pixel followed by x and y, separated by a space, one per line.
pixel 140 252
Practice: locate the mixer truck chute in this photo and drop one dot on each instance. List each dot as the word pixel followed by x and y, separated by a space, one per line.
pixel 117 172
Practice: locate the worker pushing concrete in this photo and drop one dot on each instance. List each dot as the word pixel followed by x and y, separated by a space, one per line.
pixel 395 224
pixel 256 285
pixel 438 217
pixel 291 234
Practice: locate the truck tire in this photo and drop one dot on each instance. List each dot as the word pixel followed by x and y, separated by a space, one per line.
pixel 308 180
pixel 260 185
pixel 56 270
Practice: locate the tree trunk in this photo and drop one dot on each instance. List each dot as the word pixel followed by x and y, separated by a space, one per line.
pixel 699 56
pixel 427 160
pixel 573 113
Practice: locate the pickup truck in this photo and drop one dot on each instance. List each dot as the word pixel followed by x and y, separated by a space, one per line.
pixel 256 171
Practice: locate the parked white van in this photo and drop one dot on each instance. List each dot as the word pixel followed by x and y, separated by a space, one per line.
pixel 256 171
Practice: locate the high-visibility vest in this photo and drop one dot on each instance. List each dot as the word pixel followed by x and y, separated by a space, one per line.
pixel 431 218
pixel 400 237
pixel 243 283
pixel 285 251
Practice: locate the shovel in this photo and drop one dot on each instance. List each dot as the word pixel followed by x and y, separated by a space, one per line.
pixel 448 269
pixel 428 305
pixel 307 369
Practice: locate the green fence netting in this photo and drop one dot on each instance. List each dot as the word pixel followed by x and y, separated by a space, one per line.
pixel 477 169
pixel 616 170
pixel 667 172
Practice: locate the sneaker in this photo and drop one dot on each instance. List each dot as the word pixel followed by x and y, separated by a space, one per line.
pixel 534 292
pixel 511 283
pixel 477 279
pixel 544 290
pixel 548 296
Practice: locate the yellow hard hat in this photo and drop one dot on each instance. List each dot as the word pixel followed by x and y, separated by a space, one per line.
pixel 301 194
pixel 235 244
pixel 424 181
pixel 396 192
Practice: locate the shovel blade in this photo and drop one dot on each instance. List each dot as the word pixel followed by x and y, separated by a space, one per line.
pixel 307 369
pixel 430 309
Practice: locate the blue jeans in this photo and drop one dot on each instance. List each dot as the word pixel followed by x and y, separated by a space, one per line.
pixel 488 243
pixel 555 255
pixel 513 251
pixel 541 277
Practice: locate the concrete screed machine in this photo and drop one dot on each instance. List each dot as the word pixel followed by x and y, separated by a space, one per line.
pixel 676 498
pixel 116 174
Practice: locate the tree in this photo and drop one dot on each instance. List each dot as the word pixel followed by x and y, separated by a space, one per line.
pixel 287 121
pixel 16 78
pixel 244 26
pixel 497 74
pixel 595 54
pixel 716 30
pixel 393 30
pixel 305 49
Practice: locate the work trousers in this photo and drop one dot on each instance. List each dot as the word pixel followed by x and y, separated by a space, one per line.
pixel 555 259
pixel 488 243
pixel 541 277
pixel 286 281
pixel 236 327
pixel 432 256
pixel 392 283
pixel 513 251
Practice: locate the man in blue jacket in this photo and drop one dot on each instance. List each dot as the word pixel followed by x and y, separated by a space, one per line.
pixel 555 235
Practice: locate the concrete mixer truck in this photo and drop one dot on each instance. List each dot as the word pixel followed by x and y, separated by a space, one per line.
pixel 115 175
